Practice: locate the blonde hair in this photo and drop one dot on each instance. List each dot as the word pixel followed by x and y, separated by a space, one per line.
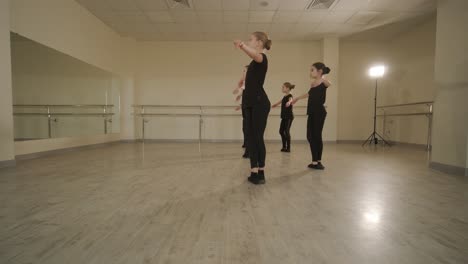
pixel 263 37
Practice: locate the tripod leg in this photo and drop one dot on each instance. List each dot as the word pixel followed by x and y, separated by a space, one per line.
pixel 385 142
pixel 368 140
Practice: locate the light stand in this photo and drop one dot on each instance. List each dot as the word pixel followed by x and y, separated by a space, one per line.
pixel 376 72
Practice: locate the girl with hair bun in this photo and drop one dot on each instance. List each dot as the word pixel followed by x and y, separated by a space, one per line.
pixel 316 112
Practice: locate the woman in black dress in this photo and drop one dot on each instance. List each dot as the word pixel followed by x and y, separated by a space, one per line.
pixel 255 102
pixel 316 112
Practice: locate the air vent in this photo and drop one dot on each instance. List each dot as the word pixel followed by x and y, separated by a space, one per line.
pixel 179 4
pixel 320 4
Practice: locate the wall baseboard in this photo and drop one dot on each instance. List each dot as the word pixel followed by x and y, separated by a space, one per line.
pixel 394 143
pixel 210 141
pixel 449 169
pixel 7 163
pixel 63 150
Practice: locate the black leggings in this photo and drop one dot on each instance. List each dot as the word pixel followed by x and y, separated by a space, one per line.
pixel 284 132
pixel 315 123
pixel 256 117
pixel 244 128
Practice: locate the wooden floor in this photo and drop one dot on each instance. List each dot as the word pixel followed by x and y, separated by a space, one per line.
pixel 166 203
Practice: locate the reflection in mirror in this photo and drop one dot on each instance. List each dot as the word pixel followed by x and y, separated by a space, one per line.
pixel 56 95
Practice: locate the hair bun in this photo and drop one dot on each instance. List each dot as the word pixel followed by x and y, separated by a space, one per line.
pixel 268 44
pixel 326 70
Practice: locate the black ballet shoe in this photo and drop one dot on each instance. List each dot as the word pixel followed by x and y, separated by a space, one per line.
pixel 287 150
pixel 257 178
pixel 252 176
pixel 283 150
pixel 317 166
pixel 320 166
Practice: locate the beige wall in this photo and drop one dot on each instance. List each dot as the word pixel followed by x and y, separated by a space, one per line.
pixel 450 131
pixel 69 28
pixel 6 116
pixel 409 58
pixel 205 73
pixel 331 58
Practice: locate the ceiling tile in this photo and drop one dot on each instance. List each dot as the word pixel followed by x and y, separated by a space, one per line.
pixel 235 27
pixel 236 4
pixel 338 16
pixel 363 17
pixel 151 5
pixel 207 4
pixel 298 5
pixel 132 17
pixel 264 5
pixel 189 36
pixel 184 16
pixel 287 16
pixel 123 5
pixel 235 16
pixel 179 28
pixel 212 28
pixel 304 28
pixel 351 5
pixel 400 5
pixel 281 28
pixel 315 16
pixel 95 4
pixel 160 16
pixel 131 29
pixel 261 16
pixel 210 17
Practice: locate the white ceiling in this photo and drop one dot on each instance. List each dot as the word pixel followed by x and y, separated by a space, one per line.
pixel 147 20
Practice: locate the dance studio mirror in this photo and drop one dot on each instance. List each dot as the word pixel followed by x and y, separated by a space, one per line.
pixel 57 96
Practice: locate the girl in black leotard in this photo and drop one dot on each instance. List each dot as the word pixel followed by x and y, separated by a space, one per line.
pixel 255 102
pixel 239 90
pixel 316 112
pixel 287 116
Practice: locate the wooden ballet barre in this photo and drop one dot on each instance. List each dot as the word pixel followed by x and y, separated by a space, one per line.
pixel 408 114
pixel 428 114
pixel 408 104
pixel 64 106
pixel 64 114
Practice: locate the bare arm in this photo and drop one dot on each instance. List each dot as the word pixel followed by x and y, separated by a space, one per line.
pixel 252 53
pixel 294 101
pixel 276 104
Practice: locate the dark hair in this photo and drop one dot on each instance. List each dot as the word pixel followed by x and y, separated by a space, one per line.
pixel 289 85
pixel 263 37
pixel 320 66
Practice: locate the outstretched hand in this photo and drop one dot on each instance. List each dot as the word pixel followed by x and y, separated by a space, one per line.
pixel 237 43
pixel 237 108
pixel 238 97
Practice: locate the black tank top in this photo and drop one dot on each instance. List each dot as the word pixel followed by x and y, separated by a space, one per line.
pixel 254 92
pixel 286 112
pixel 317 97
